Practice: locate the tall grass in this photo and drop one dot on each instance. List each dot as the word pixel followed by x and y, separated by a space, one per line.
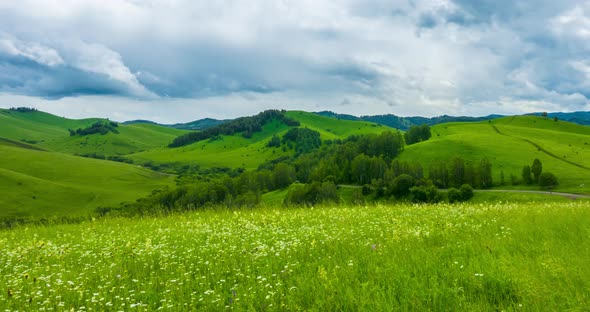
pixel 395 257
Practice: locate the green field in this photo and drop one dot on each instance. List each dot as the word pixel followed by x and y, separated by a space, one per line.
pixel 511 143
pixel 470 257
pixel 44 184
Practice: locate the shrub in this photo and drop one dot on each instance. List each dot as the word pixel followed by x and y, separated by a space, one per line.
pixel 425 194
pixel 312 194
pixel 366 190
pixel 401 185
pixel 454 195
pixel 466 192
pixel 548 181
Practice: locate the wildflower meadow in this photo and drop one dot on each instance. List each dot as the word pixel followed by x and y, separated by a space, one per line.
pixel 512 257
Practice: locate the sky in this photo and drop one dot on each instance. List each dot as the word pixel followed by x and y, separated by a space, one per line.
pixel 181 60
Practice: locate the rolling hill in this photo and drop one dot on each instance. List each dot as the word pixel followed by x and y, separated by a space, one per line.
pixel 404 123
pixel 50 132
pixel 511 143
pixel 37 183
pixel 40 176
pixel 236 151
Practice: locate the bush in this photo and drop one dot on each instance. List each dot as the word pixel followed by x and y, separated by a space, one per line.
pixel 548 181
pixel 466 192
pixel 366 190
pixel 454 195
pixel 401 185
pixel 312 194
pixel 425 194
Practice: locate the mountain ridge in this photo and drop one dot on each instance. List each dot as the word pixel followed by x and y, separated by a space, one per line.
pixel 391 120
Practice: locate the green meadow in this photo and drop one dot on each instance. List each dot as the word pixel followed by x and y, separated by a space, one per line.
pixel 466 257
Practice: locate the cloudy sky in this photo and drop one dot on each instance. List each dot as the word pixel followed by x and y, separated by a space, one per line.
pixel 180 60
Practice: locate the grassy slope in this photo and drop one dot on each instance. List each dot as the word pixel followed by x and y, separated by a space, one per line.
pixel 332 128
pixel 471 257
pixel 42 184
pixel 236 151
pixel 51 133
pixel 515 144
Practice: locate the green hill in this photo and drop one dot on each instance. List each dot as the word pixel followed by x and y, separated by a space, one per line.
pixel 236 151
pixel 511 143
pixel 43 184
pixel 51 133
pixel 39 176
pixel 332 128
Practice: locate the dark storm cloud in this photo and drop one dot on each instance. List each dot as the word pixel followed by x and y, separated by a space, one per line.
pixel 23 76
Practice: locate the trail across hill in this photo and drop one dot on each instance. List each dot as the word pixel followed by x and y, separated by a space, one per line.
pixel 540 149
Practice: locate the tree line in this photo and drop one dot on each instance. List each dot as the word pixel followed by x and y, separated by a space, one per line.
pixel 23 109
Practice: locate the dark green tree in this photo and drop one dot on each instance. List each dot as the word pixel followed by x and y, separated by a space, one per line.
pixel 536 169
pixel 283 175
pixel 275 141
pixel 485 173
pixel 457 173
pixel 526 175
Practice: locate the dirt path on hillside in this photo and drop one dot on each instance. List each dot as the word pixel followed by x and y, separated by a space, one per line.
pixel 540 148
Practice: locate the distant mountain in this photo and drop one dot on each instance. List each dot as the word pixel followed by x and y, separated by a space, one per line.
pixel 404 123
pixel 141 121
pixel 390 120
pixel 581 118
pixel 200 124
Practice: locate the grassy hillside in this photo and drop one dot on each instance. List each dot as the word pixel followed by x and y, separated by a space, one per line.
pixel 469 257
pixel 332 128
pixel 236 151
pixel 44 184
pixel 510 143
pixel 37 126
pixel 51 133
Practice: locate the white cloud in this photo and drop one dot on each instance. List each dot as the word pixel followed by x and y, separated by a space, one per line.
pixel 99 59
pixel 30 50
pixel 426 57
pixel 573 22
